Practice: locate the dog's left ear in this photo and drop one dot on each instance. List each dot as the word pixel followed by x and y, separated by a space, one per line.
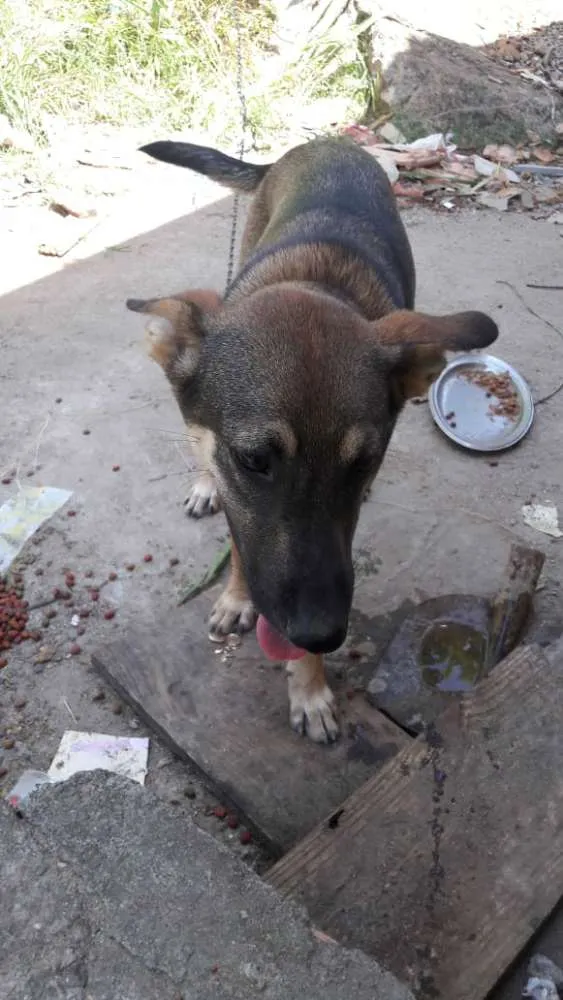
pixel 175 329
pixel 416 343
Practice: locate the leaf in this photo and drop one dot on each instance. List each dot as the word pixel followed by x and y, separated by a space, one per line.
pixel 209 577
pixel 544 155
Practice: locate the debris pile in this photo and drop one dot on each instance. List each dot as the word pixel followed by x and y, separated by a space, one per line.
pixel 432 170
pixel 537 58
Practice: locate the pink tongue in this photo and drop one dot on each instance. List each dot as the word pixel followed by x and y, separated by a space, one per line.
pixel 273 644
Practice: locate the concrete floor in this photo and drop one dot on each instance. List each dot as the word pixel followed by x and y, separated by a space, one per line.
pixel 439 519
pixel 113 896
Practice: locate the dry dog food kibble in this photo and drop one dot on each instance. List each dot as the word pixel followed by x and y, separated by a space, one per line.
pixel 500 390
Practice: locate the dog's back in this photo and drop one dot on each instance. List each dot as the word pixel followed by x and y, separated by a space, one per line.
pixel 331 192
pixel 327 193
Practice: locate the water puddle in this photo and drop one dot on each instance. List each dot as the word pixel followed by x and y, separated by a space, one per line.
pixel 452 656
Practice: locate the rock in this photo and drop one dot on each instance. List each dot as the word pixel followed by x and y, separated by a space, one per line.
pixel 433 83
pixel 391 133
pixel 490 200
pixel 527 199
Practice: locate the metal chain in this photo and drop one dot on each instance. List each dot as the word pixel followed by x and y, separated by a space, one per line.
pixel 243 128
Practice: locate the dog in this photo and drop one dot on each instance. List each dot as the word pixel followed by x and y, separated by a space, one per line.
pixel 291 385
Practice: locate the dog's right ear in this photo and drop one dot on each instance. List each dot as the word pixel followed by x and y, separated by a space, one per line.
pixel 175 329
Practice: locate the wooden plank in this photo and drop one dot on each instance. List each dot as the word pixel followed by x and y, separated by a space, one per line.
pixel 444 863
pixel 229 716
pixel 512 605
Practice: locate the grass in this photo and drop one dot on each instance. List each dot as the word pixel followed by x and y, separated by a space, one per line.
pixel 172 63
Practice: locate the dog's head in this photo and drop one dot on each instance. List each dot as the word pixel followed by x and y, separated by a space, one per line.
pixel 301 394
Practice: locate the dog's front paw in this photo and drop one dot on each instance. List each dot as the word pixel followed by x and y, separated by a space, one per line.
pixel 313 713
pixel 204 498
pixel 232 613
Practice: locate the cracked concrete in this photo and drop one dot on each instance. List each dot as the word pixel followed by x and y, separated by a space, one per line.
pixel 109 895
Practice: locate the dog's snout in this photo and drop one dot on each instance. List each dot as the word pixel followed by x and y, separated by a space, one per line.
pixel 318 600
pixel 317 637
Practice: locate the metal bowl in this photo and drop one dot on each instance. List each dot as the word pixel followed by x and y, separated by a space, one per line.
pixel 471 415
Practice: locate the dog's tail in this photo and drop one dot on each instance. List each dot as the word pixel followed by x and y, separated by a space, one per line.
pixel 224 169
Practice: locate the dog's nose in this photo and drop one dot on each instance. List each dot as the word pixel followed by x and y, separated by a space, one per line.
pixel 317 639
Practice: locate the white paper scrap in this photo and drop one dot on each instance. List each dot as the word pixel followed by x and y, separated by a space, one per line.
pixel 542 517
pixel 124 755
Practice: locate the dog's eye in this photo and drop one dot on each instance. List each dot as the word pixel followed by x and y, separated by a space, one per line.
pixel 257 462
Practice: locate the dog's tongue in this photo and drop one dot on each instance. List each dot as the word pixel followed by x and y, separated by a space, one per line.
pixel 273 644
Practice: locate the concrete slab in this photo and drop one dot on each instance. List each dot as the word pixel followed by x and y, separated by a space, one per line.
pixel 107 894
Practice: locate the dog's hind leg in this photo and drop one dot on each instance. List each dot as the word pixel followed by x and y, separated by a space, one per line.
pixel 312 709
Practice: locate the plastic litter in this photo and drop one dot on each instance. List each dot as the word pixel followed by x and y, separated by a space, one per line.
pixel 542 517
pixel 540 989
pixel 488 169
pixel 22 515
pixel 545 979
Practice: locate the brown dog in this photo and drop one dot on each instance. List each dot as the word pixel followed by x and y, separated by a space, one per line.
pixel 292 385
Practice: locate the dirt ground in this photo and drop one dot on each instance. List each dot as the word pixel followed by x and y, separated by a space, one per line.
pixel 79 397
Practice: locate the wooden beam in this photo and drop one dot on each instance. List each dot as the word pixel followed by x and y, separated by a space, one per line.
pixel 227 713
pixel 445 862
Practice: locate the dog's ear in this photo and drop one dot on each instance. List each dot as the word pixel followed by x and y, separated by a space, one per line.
pixel 175 328
pixel 415 343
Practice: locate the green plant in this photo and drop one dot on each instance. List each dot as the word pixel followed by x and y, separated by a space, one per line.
pixel 169 62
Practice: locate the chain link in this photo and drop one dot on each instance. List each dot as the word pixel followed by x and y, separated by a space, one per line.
pixel 243 128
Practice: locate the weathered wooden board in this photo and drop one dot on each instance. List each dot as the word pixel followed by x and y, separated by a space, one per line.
pixel 445 862
pixel 229 716
pixel 548 940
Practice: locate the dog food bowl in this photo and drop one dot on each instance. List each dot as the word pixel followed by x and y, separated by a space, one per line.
pixel 482 403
